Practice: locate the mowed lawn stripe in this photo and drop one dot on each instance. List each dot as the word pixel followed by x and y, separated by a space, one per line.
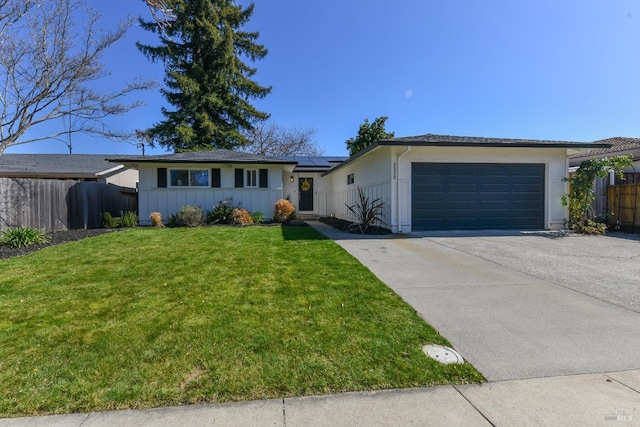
pixel 153 317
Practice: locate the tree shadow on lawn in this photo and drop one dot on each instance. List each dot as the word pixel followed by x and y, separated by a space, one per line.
pixel 301 232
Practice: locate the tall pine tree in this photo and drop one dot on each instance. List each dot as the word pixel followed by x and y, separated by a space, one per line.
pixel 203 49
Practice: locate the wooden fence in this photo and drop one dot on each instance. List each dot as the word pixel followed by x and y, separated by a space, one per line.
pixel 57 205
pixel 624 207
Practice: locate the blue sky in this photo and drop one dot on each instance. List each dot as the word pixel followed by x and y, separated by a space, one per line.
pixel 566 70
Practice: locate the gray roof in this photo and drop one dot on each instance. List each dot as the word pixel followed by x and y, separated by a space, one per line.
pixel 618 146
pixel 432 140
pixel 477 141
pixel 54 165
pixel 212 156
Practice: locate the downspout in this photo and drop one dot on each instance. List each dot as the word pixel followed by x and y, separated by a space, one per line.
pixel 398 187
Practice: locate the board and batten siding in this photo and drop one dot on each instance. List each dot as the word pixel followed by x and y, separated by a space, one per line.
pixel 168 200
pixel 372 173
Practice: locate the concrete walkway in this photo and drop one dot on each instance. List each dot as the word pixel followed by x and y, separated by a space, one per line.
pixel 581 400
pixel 553 355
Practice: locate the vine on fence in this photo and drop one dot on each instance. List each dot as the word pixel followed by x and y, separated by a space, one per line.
pixel 581 193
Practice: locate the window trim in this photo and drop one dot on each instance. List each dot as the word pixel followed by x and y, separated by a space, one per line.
pixel 351 178
pixel 255 177
pixel 189 178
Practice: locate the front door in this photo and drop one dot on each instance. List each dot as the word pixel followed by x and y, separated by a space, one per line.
pixel 305 187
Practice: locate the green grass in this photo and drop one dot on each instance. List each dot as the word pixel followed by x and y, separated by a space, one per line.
pixel 153 317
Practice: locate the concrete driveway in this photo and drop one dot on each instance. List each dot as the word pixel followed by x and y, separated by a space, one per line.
pixel 518 305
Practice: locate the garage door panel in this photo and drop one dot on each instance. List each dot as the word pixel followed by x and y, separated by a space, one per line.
pixel 523 197
pixel 490 207
pixel 521 179
pixel 477 196
pixel 459 187
pixel 499 187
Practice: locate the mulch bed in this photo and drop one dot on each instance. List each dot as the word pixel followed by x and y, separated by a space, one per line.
pixel 56 238
pixel 343 225
pixel 59 237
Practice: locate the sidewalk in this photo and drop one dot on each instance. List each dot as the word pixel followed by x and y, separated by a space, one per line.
pixel 611 399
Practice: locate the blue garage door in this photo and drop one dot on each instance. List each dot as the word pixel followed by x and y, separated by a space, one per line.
pixel 462 196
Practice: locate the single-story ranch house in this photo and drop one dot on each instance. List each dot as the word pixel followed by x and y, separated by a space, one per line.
pixel 428 182
pixel 79 167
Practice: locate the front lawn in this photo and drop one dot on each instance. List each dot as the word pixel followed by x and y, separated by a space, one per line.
pixel 157 317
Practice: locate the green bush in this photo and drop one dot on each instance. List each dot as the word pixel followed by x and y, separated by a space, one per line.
pixel 222 213
pixel 189 216
pixel 24 236
pixel 129 219
pixel 110 221
pixel 257 217
pixel 173 220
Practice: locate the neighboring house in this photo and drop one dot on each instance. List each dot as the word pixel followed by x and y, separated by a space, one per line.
pixel 618 146
pixel 428 182
pixel 56 192
pixel 80 167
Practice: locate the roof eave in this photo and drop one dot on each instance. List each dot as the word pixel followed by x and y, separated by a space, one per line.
pixel 110 170
pixel 49 175
pixel 221 161
pixel 588 155
pixel 558 144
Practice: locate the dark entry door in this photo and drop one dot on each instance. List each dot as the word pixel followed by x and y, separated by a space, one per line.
pixel 461 196
pixel 305 189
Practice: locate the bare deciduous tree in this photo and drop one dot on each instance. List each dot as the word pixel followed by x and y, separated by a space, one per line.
pixel 11 11
pixel 269 139
pixel 161 12
pixel 47 65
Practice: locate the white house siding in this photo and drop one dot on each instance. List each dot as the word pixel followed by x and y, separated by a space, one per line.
pixel 554 160
pixel 373 174
pixel 321 191
pixel 123 177
pixel 169 200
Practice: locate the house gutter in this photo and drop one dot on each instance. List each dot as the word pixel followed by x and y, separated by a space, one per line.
pixel 398 187
pixel 108 171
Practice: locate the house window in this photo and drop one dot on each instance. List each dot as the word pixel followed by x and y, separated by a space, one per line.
pixel 351 179
pixel 251 178
pixel 189 177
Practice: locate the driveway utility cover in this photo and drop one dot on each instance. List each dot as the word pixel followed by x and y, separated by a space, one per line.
pixel 443 354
